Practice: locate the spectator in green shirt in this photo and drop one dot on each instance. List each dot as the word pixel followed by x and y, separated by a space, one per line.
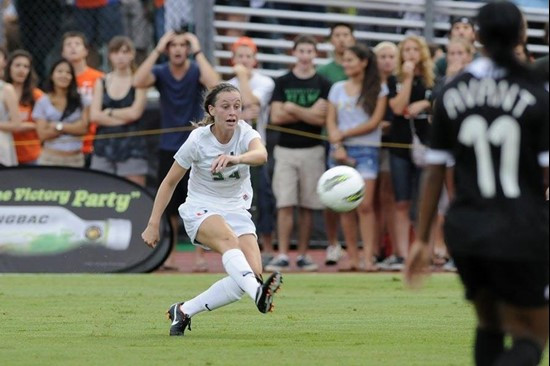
pixel 341 37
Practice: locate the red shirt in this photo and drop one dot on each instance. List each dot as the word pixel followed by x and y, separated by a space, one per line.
pixel 91 4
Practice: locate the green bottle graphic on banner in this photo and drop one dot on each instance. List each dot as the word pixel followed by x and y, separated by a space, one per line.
pixel 39 230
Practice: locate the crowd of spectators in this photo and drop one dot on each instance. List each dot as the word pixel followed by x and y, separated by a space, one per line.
pixel 367 103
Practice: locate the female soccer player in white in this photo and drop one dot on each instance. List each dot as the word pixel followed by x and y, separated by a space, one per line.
pixel 220 152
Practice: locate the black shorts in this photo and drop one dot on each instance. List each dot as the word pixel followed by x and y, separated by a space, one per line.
pixel 518 283
pixel 166 159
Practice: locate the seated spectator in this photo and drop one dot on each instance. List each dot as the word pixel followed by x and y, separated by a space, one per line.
pixel 10 121
pixel 20 73
pixel 117 108
pixel 61 118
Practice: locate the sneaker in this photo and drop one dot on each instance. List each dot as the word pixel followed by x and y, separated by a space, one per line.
pixel 334 253
pixel 267 258
pixel 277 264
pixel 179 320
pixel 305 263
pixel 392 263
pixel 265 293
pixel 449 266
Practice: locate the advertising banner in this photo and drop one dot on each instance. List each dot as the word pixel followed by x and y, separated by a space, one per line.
pixel 67 220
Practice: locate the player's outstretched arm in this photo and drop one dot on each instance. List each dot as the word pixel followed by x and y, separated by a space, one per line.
pixel 151 234
pixel 256 155
pixel 420 255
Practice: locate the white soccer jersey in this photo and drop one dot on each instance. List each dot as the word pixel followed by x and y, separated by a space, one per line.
pixel 231 188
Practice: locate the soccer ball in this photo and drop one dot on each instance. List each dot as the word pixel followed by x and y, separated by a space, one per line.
pixel 341 188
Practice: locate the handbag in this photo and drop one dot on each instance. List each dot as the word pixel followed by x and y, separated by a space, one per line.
pixel 418 149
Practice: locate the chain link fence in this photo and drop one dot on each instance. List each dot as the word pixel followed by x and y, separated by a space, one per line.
pixel 38 25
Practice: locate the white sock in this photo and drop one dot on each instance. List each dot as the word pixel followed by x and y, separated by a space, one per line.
pixel 223 292
pixel 237 267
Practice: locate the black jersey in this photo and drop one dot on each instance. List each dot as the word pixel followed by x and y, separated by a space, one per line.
pixel 495 128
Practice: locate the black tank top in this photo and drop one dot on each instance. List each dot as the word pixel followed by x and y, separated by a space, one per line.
pixel 119 148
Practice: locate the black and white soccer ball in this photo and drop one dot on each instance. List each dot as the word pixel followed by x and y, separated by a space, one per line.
pixel 341 188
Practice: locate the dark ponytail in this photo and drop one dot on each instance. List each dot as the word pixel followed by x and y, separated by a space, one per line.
pixel 501 29
pixel 211 99
pixel 371 80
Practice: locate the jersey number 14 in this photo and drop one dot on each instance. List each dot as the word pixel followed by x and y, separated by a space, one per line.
pixel 504 132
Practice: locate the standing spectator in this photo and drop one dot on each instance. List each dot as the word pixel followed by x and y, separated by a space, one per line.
pixel 355 111
pixel 181 83
pixel 75 50
pixel 460 53
pixel 61 118
pixel 20 73
pixel 299 103
pixel 541 65
pixel 341 38
pixel 386 58
pixel 99 20
pixel 3 61
pixel 256 91
pixel 39 25
pixel 410 101
pixel 497 226
pixel 461 27
pixel 117 108
pixel 10 121
pixel 137 26
pixel 159 27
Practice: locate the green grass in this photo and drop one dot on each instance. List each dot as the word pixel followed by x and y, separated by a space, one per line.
pixel 320 319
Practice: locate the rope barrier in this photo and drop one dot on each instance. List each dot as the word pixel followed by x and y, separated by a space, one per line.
pixel 161 131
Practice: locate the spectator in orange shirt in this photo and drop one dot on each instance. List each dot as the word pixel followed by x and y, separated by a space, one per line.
pixel 20 73
pixel 75 50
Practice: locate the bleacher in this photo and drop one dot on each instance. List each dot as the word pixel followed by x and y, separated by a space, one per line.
pixel 374 20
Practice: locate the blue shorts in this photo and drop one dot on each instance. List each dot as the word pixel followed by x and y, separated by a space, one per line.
pixel 367 161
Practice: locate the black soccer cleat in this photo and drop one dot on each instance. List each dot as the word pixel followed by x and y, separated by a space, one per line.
pixel 179 320
pixel 265 293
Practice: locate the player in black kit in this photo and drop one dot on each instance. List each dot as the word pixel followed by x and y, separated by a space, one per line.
pixel 492 121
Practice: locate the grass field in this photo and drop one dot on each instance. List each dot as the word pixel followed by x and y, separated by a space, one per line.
pixel 320 319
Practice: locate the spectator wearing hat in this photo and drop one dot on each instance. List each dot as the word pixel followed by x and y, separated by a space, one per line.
pixel 256 91
pixel 461 27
